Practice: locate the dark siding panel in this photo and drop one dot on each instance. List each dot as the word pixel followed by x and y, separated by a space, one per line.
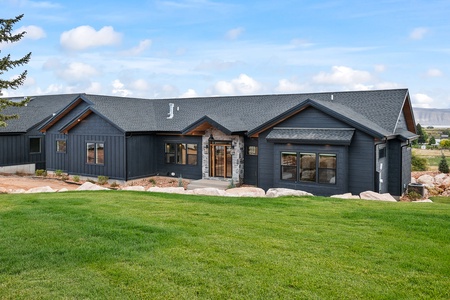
pixel 406 169
pixel 399 167
pixel 312 118
pixel 382 170
pixel 13 150
pixel 265 162
pixel 361 164
pixel 186 171
pixel 140 156
pixel 94 123
pixel 114 166
pixel 250 163
pixel 55 160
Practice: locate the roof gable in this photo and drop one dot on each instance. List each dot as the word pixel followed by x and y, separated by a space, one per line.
pixel 200 126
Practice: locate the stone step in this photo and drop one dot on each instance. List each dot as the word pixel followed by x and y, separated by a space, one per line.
pixel 207 183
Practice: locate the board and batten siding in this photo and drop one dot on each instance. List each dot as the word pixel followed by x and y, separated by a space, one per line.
pixel 312 118
pixel 250 162
pixel 140 156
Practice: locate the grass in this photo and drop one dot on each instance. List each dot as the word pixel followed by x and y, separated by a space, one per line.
pixel 138 245
pixel 433 157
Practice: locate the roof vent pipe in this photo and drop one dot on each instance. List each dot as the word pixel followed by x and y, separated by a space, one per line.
pixel 332 97
pixel 171 105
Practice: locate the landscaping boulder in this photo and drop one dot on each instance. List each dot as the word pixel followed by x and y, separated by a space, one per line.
pixel 88 186
pixel 426 180
pixel 18 191
pixel 209 192
pixel 170 190
pixel 44 189
pixel 439 178
pixel 133 188
pixel 423 201
pixel 346 196
pixel 369 195
pixel 63 190
pixel 245 192
pixel 3 190
pixel 280 192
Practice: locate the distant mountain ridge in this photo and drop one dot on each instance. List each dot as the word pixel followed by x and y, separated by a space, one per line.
pixel 436 117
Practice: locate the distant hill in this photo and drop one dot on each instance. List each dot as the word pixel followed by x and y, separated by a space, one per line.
pixel 432 117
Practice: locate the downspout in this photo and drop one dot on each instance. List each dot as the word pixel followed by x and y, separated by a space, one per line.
pixel 403 188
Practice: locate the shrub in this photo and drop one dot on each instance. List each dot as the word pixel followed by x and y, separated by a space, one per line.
pixel 102 179
pixel 76 178
pixel 58 173
pixel 152 181
pixel 114 184
pixel 414 196
pixel 64 177
pixel 443 166
pixel 40 172
pixel 418 163
pixel 180 181
pixel 231 185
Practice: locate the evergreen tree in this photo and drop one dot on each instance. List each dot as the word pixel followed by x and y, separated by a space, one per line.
pixel 443 166
pixel 432 141
pixel 6 64
pixel 423 136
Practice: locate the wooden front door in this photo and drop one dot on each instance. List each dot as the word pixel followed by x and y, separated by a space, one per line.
pixel 220 160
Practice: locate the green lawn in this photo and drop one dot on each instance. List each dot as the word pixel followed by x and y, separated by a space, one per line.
pixel 139 245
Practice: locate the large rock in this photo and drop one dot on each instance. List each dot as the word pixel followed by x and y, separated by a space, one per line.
pixel 281 192
pixel 209 192
pixel 133 188
pixel 88 186
pixel 63 190
pixel 170 190
pixel 440 178
pixel 413 180
pixel 3 190
pixel 423 201
pixel 346 196
pixel 245 192
pixel 427 180
pixel 446 182
pixel 369 195
pixel 44 189
pixel 18 191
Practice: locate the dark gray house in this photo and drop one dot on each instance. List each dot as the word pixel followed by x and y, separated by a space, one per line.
pixel 323 143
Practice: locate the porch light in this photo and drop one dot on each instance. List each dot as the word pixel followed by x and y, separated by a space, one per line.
pixel 211 138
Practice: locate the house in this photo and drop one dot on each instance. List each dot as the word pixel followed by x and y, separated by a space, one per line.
pixel 323 143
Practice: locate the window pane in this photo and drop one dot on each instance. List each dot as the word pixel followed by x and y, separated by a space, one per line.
pixel 100 154
pixel 192 154
pixel 181 154
pixel 252 150
pixel 289 166
pixel 90 153
pixel 327 168
pixel 170 158
pixel 61 146
pixel 35 145
pixel 308 167
pixel 170 148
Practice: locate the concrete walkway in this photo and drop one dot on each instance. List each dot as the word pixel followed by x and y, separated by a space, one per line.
pixel 207 183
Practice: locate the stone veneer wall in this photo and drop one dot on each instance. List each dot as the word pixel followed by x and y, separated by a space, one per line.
pixel 237 155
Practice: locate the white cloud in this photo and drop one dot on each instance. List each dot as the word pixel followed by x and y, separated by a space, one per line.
pixel 32 32
pixel 140 85
pixel 190 93
pixel 341 75
pixel 380 68
pixel 77 71
pixel 243 85
pixel 301 43
pixel 418 33
pixel 94 88
pixel 288 86
pixel 119 89
pixel 84 37
pixel 434 73
pixel 143 45
pixel 234 33
pixel 421 100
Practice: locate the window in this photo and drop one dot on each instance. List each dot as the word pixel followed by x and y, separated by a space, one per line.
pixel 308 167
pixel 312 167
pixel 252 150
pixel 95 153
pixel 35 145
pixel 61 146
pixel 327 168
pixel 181 154
pixel 289 166
pixel 382 152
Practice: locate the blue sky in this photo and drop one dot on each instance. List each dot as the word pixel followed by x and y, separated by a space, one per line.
pixel 166 49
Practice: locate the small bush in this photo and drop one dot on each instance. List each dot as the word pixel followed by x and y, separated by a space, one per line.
pixel 76 178
pixel 58 173
pixel 180 181
pixel 443 166
pixel 64 177
pixel 414 196
pixel 102 179
pixel 418 163
pixel 40 172
pixel 231 185
pixel 114 184
pixel 152 181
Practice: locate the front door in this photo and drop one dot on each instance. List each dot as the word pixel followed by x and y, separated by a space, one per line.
pixel 220 157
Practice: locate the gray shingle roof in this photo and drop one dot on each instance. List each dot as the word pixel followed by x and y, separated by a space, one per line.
pixel 377 111
pixel 340 136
